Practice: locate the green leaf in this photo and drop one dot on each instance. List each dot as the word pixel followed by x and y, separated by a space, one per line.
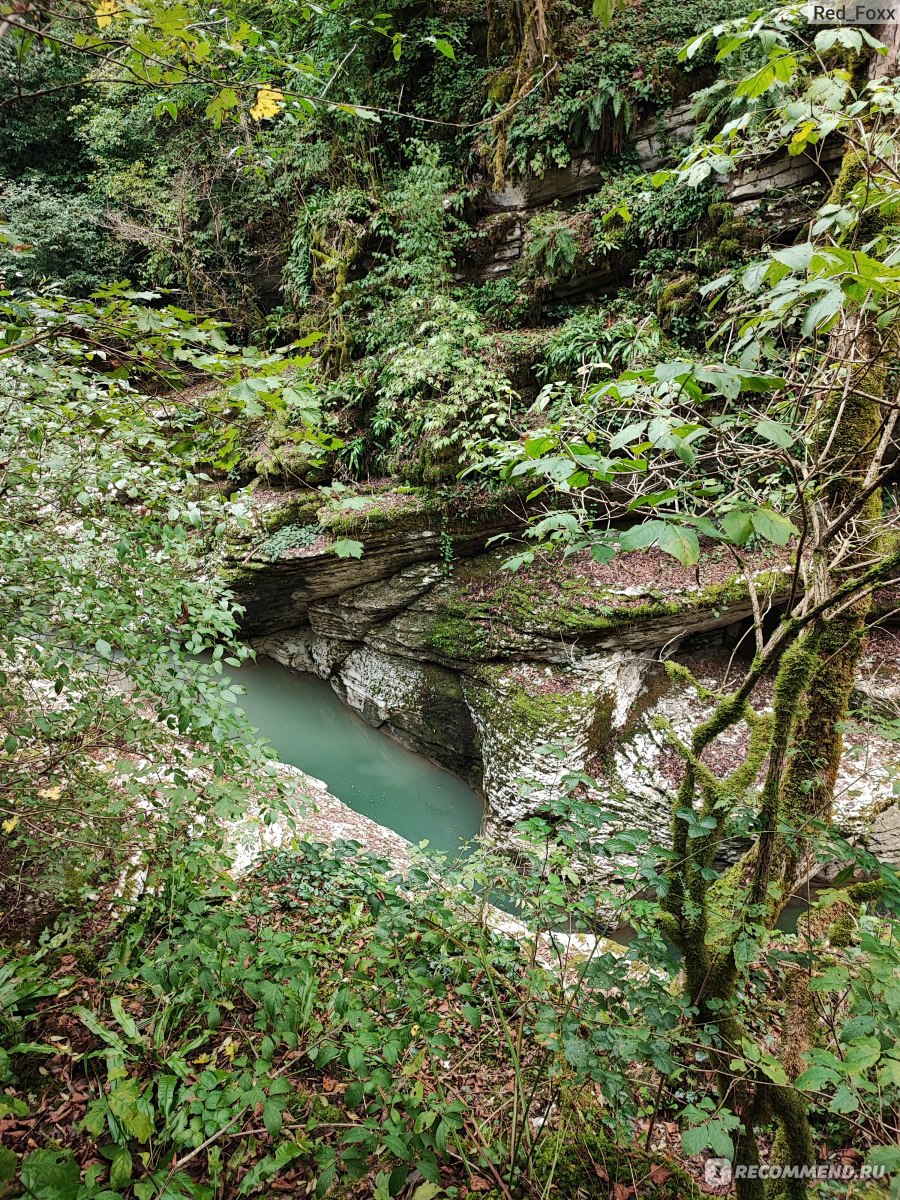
pixel 127 1023
pixel 8 1164
pixel 120 1170
pixel 443 47
pixel 738 525
pixel 601 553
pixel 693 1141
pixel 51 1175
pixel 359 1133
pixel 629 434
pixel 819 316
pixel 833 979
pixel 127 1106
pixel 165 1092
pixel 681 542
pixel 347 548
pixel 797 257
pixel 889 1071
pixel 815 1078
pixel 775 432
pixel 885 1156
pixel 773 526
pixel 603 10
pixel 775 1071
pixel 99 1030
pixel 638 537
pixel 862 1054
pixel 272 1118
pixel 844 1101
pixel 427 1191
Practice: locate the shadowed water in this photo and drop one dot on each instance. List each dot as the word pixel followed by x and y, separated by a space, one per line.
pixel 311 729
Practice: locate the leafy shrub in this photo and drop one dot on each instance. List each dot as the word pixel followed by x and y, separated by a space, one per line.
pixel 55 236
pixel 507 302
pixel 436 393
pixel 553 246
pixel 628 211
pixel 425 382
pixel 289 537
pixel 606 79
pixel 592 337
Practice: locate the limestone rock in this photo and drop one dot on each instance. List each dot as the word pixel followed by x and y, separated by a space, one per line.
pixel 421 704
pixel 304 650
pixel 353 613
pixel 521 710
pixel 278 595
pixel 884 834
pixel 313 814
pixel 643 772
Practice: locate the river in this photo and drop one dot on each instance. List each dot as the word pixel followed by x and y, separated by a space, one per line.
pixel 374 775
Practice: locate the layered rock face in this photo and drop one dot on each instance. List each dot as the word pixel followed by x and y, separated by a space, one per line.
pixel 654 143
pixel 517 682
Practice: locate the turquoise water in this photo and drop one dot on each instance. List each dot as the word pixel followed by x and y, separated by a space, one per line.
pixel 311 729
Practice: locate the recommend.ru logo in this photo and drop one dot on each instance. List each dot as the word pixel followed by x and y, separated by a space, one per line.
pixel 719 1171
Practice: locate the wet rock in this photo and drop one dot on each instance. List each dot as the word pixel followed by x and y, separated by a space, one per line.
pixel 304 650
pixel 421 704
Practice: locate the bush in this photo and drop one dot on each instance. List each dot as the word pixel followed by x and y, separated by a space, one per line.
pixel 56 236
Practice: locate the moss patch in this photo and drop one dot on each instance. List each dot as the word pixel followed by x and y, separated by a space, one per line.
pixel 594 1167
pixel 456 509
pixel 495 612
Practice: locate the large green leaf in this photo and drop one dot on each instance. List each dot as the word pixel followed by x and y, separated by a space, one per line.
pixel 773 526
pixel 51 1175
pixel 8 1164
pixel 603 10
pixel 681 542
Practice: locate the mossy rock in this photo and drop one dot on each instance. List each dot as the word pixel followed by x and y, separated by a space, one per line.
pixel 591 1166
pixel 678 298
pixel 520 607
pixel 275 508
pixel 455 509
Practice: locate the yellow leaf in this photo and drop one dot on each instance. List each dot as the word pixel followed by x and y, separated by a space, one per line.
pixel 51 793
pixel 105 11
pixel 9 826
pixel 268 101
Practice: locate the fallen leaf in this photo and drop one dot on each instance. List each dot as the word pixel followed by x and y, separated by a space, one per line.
pixel 659 1174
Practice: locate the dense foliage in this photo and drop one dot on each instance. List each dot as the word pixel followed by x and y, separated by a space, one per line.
pixel 455 240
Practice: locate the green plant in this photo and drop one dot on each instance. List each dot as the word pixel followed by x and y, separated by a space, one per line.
pixel 289 537
pixel 129 742
pixel 552 248
pixel 595 339
pixel 55 236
